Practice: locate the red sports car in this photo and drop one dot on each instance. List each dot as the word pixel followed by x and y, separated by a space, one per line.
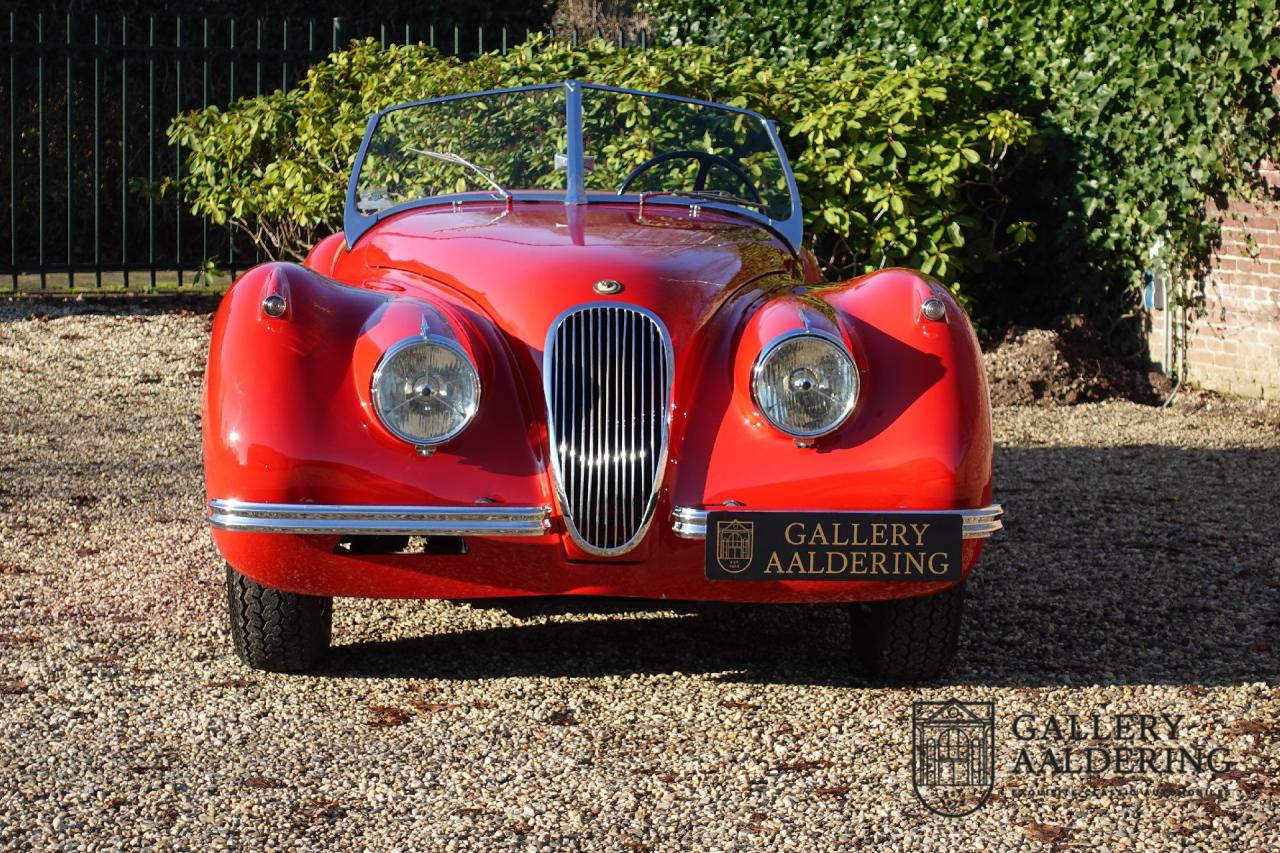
pixel 570 342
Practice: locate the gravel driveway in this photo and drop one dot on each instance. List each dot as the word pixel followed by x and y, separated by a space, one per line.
pixel 1139 573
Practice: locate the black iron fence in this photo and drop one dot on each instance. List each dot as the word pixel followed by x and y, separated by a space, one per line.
pixel 89 99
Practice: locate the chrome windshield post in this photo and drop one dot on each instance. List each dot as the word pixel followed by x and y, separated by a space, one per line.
pixel 575 183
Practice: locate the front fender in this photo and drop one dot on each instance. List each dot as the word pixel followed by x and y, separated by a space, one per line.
pixel 919 437
pixel 287 416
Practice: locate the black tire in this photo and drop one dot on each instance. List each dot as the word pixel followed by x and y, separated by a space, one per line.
pixel 911 639
pixel 274 630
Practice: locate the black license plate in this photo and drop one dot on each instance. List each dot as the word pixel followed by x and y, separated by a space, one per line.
pixel 833 546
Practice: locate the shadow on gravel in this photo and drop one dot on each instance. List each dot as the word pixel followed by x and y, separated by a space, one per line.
pixel 744 642
pixel 1134 564
pixel 1126 565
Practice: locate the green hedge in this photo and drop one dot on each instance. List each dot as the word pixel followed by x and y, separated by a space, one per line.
pixel 896 165
pixel 1147 109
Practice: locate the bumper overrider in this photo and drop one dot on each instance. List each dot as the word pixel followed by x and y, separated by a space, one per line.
pixel 336 519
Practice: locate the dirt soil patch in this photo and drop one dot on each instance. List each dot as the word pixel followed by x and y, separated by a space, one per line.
pixel 1064 366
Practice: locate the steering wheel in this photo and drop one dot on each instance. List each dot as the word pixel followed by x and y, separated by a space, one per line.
pixel 705 161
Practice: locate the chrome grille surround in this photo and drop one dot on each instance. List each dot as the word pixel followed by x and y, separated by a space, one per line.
pixel 607 373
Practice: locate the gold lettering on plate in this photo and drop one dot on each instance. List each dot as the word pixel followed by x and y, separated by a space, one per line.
pixel 879 534
pixel 920 530
pixel 899 534
pixel 839 534
pixel 787 533
pixel 898 563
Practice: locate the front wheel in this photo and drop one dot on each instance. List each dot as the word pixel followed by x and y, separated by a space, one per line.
pixel 909 639
pixel 275 630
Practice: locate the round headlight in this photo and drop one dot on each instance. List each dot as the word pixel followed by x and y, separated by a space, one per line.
pixel 805 385
pixel 426 390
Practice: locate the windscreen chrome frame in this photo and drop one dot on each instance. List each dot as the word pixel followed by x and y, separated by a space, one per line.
pixel 356 224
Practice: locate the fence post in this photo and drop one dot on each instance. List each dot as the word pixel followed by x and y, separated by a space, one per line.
pixel 257 79
pixel 231 236
pixel 231 77
pixel 284 57
pixel 204 103
pixel 177 155
pixel 13 148
pixel 337 33
pixel 151 149
pixel 124 148
pixel 97 152
pixel 71 280
pixel 257 92
pixel 40 131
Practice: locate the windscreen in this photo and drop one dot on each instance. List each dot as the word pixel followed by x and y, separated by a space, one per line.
pixel 645 144
pixel 517 144
pixel 473 144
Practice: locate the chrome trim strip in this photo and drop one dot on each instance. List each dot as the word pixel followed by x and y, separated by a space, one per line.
pixel 691 523
pixel 486 520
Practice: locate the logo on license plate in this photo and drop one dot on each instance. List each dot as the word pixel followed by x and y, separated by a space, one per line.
pixel 735 543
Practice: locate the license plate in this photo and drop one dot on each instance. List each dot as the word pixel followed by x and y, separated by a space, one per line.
pixel 833 546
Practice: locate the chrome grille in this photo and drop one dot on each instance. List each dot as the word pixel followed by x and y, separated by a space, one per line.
pixel 607 378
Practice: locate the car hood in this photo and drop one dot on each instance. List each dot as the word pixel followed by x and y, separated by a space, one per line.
pixel 525 265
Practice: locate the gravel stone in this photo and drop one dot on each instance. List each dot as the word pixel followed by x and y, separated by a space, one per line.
pixel 1139 572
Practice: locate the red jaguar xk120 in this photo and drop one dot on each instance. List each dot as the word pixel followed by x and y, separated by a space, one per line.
pixel 570 343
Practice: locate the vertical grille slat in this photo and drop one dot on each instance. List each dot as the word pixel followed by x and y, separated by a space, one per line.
pixel 607 378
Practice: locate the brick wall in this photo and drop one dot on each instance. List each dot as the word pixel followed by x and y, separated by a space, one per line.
pixel 1234 344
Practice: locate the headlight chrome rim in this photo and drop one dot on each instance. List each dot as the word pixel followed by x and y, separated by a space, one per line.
pixel 425 340
pixel 844 353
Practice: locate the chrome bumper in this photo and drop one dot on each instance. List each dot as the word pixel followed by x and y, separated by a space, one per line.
pixel 691 523
pixel 480 520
